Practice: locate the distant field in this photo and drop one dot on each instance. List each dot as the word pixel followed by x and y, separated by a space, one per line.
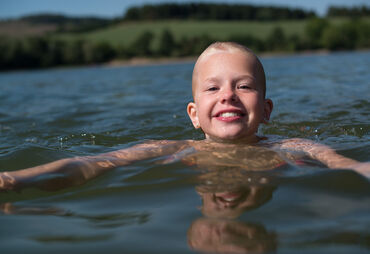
pixel 19 29
pixel 126 33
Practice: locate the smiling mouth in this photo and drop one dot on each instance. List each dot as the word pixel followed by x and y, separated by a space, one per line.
pixel 229 116
pixel 230 199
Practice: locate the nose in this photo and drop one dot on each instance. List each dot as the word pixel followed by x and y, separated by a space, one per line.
pixel 228 95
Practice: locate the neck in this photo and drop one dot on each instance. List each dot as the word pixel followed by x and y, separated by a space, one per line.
pixel 245 140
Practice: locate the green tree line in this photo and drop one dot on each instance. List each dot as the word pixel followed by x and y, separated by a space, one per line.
pixel 40 52
pixel 213 11
pixel 355 12
pixel 68 24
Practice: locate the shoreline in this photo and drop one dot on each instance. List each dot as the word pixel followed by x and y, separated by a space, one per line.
pixel 143 61
pixel 147 61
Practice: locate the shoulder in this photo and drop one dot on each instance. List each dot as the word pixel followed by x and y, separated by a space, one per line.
pixel 296 143
pixel 314 149
pixel 276 141
pixel 149 149
pixel 159 146
pixel 299 145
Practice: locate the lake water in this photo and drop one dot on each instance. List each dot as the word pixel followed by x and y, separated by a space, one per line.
pixel 147 207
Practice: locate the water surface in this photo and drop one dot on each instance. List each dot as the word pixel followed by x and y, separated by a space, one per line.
pixel 149 207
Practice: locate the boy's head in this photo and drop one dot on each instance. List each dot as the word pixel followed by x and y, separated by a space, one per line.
pixel 230 47
pixel 229 89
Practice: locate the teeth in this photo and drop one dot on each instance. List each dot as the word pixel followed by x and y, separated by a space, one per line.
pixel 229 199
pixel 229 114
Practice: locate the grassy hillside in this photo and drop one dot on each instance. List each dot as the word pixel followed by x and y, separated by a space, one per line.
pixel 21 29
pixel 41 24
pixel 178 38
pixel 125 33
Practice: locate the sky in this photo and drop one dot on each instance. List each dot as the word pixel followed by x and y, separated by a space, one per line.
pixel 116 8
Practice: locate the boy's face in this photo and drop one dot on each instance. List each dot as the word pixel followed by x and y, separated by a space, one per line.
pixel 228 94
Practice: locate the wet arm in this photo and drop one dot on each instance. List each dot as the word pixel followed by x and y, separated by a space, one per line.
pixel 326 155
pixel 59 174
pixel 77 170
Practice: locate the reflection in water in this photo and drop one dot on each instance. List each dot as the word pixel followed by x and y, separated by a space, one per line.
pixel 231 204
pixel 228 193
pixel 111 220
pixel 225 236
pixel 9 208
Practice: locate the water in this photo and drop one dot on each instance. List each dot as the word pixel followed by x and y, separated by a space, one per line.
pixel 153 208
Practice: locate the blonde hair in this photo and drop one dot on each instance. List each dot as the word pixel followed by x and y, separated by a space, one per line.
pixel 230 47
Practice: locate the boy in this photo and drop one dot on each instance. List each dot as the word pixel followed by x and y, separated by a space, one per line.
pixel 229 89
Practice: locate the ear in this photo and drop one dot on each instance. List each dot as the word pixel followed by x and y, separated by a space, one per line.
pixel 267 109
pixel 192 112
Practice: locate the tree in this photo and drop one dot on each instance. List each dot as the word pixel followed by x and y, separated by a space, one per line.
pixel 54 56
pixel 166 44
pixel 35 50
pixel 74 53
pixel 363 34
pixel 98 52
pixel 338 37
pixel 313 32
pixel 276 39
pixel 249 41
pixel 194 46
pixel 12 54
pixel 142 45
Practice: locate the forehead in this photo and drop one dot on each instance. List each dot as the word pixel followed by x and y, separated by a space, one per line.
pixel 221 63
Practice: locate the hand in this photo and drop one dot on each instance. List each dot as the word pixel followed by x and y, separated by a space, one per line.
pixel 362 168
pixel 7 182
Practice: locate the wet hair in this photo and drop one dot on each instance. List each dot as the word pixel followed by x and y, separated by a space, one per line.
pixel 230 47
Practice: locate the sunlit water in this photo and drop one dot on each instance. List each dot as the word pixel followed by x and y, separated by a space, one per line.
pixel 148 207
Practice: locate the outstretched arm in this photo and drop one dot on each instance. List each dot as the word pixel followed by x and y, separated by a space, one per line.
pixel 77 170
pixel 326 155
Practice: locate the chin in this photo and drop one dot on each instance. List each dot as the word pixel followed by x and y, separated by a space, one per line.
pixel 233 135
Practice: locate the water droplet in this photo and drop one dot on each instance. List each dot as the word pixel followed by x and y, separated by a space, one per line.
pixel 263 180
pixel 31 140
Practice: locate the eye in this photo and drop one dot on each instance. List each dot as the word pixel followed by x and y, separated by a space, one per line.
pixel 244 86
pixel 212 88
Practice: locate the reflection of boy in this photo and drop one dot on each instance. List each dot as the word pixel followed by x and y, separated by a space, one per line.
pixel 231 204
pixel 228 192
pixel 228 236
pixel 229 105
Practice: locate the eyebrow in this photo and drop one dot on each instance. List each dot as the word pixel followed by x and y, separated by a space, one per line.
pixel 242 77
pixel 212 80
